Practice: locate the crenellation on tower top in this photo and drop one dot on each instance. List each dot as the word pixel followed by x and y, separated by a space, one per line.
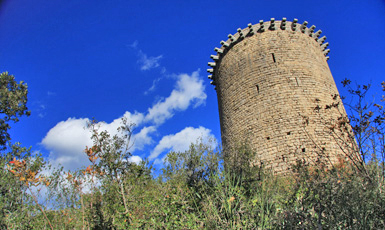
pixel 251 30
pixel 212 64
pixel 321 40
pixel 311 30
pixel 214 57
pixel 260 27
pixel 272 24
pixel 294 24
pixel 241 35
pixel 283 24
pixel 219 51
pixel 232 38
pixel 317 34
pixel 323 46
pixel 225 44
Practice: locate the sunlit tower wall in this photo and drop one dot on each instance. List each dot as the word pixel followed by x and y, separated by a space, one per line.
pixel 273 84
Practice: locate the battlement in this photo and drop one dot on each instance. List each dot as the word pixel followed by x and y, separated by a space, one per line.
pixel 263 27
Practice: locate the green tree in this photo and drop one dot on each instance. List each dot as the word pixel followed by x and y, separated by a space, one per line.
pixel 13 104
pixel 13 99
pixel 195 166
pixel 15 203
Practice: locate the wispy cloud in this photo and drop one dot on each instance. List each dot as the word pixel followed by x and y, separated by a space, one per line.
pixel 39 108
pixel 50 93
pixel 134 45
pixel 146 62
pixel 153 86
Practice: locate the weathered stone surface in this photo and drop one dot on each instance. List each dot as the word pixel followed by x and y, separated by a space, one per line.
pixel 269 85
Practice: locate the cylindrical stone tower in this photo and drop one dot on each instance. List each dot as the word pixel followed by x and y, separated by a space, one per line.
pixel 276 93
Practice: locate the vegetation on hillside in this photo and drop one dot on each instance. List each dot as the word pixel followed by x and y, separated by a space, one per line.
pixel 197 189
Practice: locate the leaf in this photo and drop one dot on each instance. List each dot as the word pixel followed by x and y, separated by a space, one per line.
pixel 69 176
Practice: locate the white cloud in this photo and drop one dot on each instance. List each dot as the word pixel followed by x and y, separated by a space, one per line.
pixel 135 159
pixel 143 138
pixel 135 119
pixel 68 139
pixel 189 89
pixel 180 141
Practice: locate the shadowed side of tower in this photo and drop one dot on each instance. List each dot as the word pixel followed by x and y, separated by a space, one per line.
pixel 272 79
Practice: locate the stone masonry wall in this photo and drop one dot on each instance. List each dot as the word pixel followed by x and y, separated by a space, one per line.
pixel 270 79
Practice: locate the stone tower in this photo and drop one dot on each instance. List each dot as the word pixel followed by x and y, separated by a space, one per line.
pixel 273 85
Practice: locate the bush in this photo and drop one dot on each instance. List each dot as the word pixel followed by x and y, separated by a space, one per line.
pixel 197 189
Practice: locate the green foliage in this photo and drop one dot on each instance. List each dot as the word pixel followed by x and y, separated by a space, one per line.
pixel 333 199
pixel 194 167
pixel 18 191
pixel 13 100
pixel 197 189
pixel 17 205
pixel 311 198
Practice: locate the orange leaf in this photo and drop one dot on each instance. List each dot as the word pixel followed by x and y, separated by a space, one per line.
pixel 69 176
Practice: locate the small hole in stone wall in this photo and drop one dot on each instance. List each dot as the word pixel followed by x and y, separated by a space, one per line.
pixel 303 150
pixel 272 54
pixel 257 86
pixel 296 79
pixel 268 138
pixel 288 133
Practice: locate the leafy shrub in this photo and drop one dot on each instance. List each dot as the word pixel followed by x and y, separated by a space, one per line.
pixel 197 189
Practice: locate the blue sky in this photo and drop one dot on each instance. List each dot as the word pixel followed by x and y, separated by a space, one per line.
pixel 147 61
